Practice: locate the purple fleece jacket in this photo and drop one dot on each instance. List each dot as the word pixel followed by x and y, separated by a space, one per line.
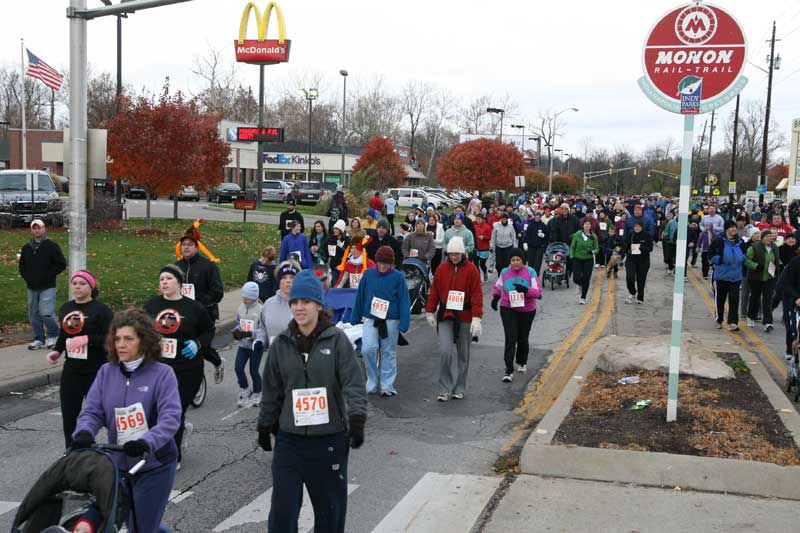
pixel 525 276
pixel 153 384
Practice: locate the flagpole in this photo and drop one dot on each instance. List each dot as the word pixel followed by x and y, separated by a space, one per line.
pixel 22 80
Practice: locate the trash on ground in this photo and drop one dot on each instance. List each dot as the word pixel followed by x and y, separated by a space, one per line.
pixel 629 380
pixel 641 404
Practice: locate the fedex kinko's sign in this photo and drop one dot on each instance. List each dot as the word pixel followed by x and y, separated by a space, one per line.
pixel 693 58
pixel 262 51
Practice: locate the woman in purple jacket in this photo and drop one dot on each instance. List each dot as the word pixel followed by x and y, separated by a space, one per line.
pixel 516 289
pixel 136 398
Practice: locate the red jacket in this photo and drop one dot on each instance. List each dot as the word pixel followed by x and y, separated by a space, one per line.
pixel 463 277
pixel 376 203
pixel 782 231
pixel 484 230
pixel 492 219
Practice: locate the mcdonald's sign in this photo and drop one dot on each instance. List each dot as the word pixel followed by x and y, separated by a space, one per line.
pixel 262 51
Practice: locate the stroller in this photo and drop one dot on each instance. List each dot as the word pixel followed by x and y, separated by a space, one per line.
pixel 340 302
pixel 793 372
pixel 555 264
pixel 84 484
pixel 416 274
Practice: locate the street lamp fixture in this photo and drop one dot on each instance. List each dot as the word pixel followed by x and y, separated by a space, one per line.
pixel 538 149
pixel 502 113
pixel 311 95
pixel 343 73
pixel 522 127
pixel 555 117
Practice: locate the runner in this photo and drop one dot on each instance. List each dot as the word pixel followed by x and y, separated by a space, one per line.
pixel 516 289
pixel 262 272
pixel 503 240
pixel 638 246
pixel 287 219
pixel 335 245
pixel 295 246
pixel 455 300
pixel 134 385
pixel 763 262
pixel 354 264
pixel 728 258
pixel 313 361
pixel 382 302
pixel 583 248
pixel 249 322
pixel 317 239
pixel 84 327
pixel 419 245
pixel 435 230
pixel 483 232
pixel 186 329
pixel 275 313
pixel 536 239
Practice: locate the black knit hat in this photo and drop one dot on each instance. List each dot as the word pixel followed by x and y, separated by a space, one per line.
pixel 174 271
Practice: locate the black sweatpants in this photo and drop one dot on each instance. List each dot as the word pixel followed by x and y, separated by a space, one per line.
pixel 706 264
pixel 761 295
pixel 320 463
pixel 189 381
pixel 390 218
pixel 517 329
pixel 789 318
pixel 74 388
pixel 582 274
pixel 636 275
pixel 502 258
pixel 727 290
pixel 535 257
pixel 669 249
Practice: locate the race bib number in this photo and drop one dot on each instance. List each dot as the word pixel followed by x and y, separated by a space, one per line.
pixel 616 218
pixel 131 422
pixel 603 226
pixel 540 234
pixel 413 252
pixel 169 348
pixel 636 249
pixel 355 279
pixel 771 269
pixel 524 227
pixel 331 250
pixel 455 301
pixel 379 308
pixel 310 406
pixel 621 232
pixel 78 353
pixel 246 326
pixel 779 241
pixel 517 299
pixel 296 255
pixel 187 289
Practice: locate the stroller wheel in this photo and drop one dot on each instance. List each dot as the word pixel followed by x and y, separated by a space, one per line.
pixel 552 284
pixel 200 397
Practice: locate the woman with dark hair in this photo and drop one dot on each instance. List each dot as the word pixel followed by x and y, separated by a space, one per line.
pixel 435 228
pixel 186 330
pixel 334 247
pixel 84 325
pixel 316 241
pixel 136 399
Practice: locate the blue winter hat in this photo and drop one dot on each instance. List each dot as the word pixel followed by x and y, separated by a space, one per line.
pixel 371 212
pixel 250 290
pixel 306 286
pixel 458 215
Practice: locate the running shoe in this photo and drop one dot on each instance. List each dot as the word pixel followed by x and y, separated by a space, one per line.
pixel 244 395
pixel 629 300
pixel 583 301
pixel 733 327
pixel 457 396
pixel 750 323
pixel 51 342
pixel 768 328
pixel 36 345
pixel 522 368
pixel 255 400
pixel 219 372
pixel 442 398
pixel 508 378
pixel 188 428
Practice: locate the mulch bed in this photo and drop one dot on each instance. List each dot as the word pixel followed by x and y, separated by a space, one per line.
pixel 729 418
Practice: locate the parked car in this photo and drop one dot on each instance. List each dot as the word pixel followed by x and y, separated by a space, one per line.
pixel 410 197
pixel 187 192
pixel 138 191
pixel 307 192
pixel 271 191
pixel 19 205
pixel 225 192
pixel 439 199
pixel 330 187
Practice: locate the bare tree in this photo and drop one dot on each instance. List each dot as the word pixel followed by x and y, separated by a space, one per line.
pixel 218 82
pixel 416 102
pixel 37 100
pixel 544 130
pixel 473 118
pixel 375 112
pixel 750 138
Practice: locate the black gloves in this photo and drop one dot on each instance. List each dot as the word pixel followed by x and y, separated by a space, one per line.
pixel 494 302
pixel 264 438
pixel 521 288
pixel 82 440
pixel 136 448
pixel 246 334
pixel 237 335
pixel 356 432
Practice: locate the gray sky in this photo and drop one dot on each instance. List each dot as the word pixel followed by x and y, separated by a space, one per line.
pixel 546 55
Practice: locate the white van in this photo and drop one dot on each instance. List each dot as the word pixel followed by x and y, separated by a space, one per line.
pixel 410 197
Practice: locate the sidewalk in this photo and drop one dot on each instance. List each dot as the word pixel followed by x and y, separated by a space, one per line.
pixel 22 369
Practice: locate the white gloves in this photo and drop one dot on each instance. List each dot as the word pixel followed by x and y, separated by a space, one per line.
pixel 431 318
pixel 525 246
pixel 475 327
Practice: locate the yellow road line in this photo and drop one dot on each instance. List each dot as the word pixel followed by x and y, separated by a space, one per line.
pixel 776 363
pixel 558 373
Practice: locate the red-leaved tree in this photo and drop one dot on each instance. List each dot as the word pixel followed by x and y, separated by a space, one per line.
pixel 162 145
pixel 380 165
pixel 776 173
pixel 482 165
pixel 566 184
pixel 536 180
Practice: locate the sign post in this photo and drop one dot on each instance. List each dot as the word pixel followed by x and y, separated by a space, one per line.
pixel 692 60
pixel 245 206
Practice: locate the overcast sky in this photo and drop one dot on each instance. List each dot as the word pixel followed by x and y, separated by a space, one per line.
pixel 546 55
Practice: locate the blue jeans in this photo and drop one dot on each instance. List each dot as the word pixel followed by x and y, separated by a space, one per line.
pixel 370 340
pixel 42 313
pixel 242 356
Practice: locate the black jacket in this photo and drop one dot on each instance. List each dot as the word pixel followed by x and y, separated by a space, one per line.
pixel 184 320
pixel 208 288
pixel 92 319
pixel 790 280
pixel 562 228
pixel 375 243
pixel 40 263
pixel 286 216
pixel 645 242
pixel 532 235
pixel 263 276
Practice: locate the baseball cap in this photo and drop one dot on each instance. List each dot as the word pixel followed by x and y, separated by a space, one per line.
pixel 37 222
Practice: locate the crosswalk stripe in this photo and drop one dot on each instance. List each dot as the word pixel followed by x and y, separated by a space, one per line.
pixel 258 510
pixel 6 507
pixel 441 503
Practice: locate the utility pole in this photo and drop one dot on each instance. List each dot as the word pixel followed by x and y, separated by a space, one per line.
pixel 699 153
pixel 710 138
pixel 733 149
pixel 763 175
pixel 259 144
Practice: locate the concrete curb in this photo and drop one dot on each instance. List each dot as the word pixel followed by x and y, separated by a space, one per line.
pixel 52 376
pixel 754 478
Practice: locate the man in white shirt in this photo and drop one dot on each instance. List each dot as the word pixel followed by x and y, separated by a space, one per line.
pixel 391 208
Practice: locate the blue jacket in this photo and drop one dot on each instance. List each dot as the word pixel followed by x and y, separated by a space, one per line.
pixel 647 224
pixel 152 384
pixel 298 244
pixel 390 286
pixel 727 258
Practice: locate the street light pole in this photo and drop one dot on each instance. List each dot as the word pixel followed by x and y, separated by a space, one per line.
pixel 344 108
pixel 521 126
pixel 502 113
pixel 553 143
pixel 311 95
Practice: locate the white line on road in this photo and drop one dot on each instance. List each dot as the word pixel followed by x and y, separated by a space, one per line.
pixel 177 496
pixel 441 503
pixel 258 510
pixel 5 507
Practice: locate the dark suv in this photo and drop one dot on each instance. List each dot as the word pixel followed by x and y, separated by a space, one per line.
pixel 225 192
pixel 19 205
pixel 307 192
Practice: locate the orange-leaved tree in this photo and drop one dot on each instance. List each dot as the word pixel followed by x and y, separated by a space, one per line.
pixel 566 184
pixel 536 180
pixel 380 165
pixel 482 165
pixel 164 144
pixel 776 173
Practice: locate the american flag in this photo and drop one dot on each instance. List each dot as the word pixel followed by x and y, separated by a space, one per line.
pixel 42 71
